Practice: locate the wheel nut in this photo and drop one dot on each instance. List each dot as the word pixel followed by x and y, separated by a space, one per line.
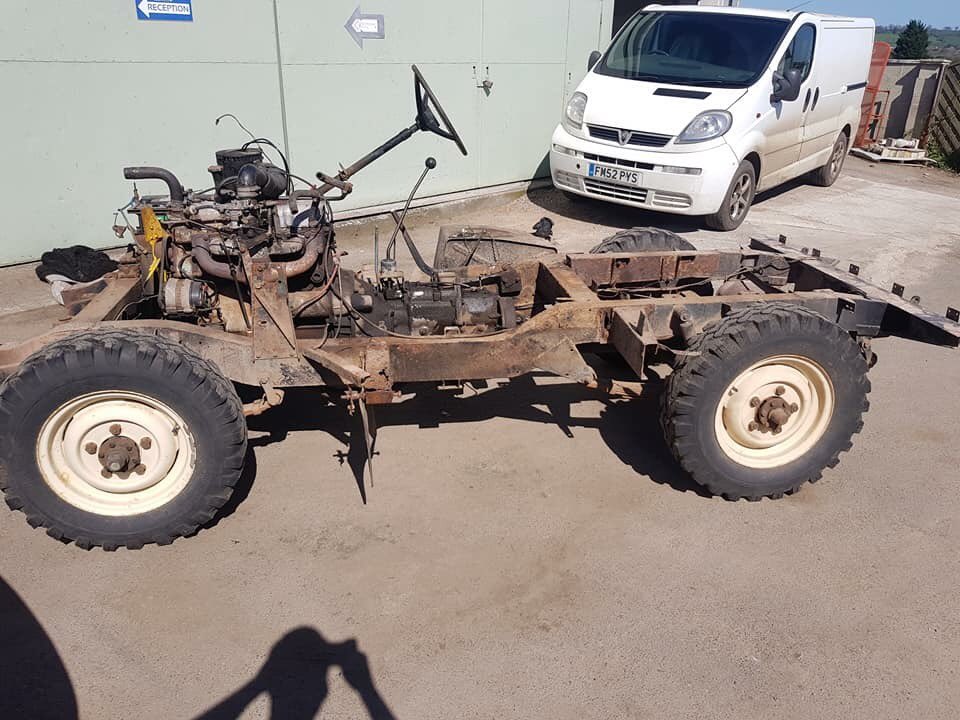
pixel 776 430
pixel 780 390
pixel 115 429
pixel 91 448
pixel 146 443
pixel 752 427
pixel 140 469
pixel 754 402
pixel 794 407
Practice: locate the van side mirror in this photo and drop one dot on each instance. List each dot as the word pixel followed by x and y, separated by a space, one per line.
pixel 786 86
pixel 594 58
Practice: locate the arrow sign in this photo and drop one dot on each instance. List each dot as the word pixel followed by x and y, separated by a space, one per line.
pixel 164 10
pixel 364 26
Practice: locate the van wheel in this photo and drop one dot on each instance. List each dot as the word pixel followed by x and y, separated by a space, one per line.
pixel 119 439
pixel 737 201
pixel 642 239
pixel 828 174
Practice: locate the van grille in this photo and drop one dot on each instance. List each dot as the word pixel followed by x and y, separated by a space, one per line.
pixel 613 190
pixel 618 161
pixel 636 137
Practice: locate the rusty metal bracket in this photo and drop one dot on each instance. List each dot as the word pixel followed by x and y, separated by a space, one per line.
pixel 110 302
pixel 628 334
pixel 274 335
pixel 891 314
pixel 348 373
pixel 565 360
pixel 272 397
pixel 357 399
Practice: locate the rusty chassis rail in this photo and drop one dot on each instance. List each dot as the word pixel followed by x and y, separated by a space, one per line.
pixel 568 313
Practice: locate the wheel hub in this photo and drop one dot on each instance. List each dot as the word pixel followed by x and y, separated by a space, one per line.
pixel 120 454
pixel 773 412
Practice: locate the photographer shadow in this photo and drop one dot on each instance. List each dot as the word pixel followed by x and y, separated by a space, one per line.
pixel 294 677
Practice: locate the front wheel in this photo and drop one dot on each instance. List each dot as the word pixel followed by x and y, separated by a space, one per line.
pixel 769 396
pixel 119 438
pixel 737 201
pixel 827 175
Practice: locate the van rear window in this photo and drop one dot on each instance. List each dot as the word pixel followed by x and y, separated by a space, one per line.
pixel 690 48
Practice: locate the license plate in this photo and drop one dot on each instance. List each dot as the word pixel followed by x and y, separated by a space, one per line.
pixel 615 174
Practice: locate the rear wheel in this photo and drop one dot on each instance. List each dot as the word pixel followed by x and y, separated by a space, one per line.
pixel 828 174
pixel 737 201
pixel 771 397
pixel 642 239
pixel 119 439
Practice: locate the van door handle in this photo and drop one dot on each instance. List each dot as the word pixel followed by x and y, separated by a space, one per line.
pixel 816 99
pixel 806 100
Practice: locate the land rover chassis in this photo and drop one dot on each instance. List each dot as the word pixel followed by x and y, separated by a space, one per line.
pixel 123 425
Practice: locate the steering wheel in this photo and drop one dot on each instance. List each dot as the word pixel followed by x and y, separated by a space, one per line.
pixel 425 117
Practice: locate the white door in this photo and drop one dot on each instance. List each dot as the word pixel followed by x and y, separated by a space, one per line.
pixel 838 62
pixel 783 124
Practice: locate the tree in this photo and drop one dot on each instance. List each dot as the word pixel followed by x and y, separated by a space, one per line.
pixel 913 41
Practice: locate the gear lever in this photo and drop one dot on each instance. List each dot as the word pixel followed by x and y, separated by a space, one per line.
pixel 429 164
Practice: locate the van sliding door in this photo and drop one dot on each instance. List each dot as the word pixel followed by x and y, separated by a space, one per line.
pixel 839 63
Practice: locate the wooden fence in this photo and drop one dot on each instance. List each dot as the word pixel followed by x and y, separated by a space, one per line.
pixel 945 130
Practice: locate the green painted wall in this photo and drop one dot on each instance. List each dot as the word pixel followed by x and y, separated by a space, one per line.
pixel 88 89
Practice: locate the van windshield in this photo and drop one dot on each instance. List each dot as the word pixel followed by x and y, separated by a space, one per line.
pixel 691 48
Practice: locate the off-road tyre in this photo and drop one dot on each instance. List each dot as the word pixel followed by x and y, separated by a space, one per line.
pixel 827 175
pixel 693 393
pixel 642 239
pixel 737 200
pixel 95 364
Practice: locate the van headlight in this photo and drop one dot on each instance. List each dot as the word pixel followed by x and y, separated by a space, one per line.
pixel 573 114
pixel 706 126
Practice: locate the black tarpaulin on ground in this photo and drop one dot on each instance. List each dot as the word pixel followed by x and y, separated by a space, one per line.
pixel 79 263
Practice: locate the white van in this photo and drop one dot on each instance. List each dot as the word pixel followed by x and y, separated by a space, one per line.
pixel 692 109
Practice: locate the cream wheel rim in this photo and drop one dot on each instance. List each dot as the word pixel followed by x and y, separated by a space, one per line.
pixel 82 437
pixel 802 397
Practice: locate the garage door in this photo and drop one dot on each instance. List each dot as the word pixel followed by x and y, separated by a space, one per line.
pixel 91 88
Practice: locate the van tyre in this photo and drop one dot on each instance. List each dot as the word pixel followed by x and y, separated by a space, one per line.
pixel 737 201
pixel 769 396
pixel 828 174
pixel 118 439
pixel 642 239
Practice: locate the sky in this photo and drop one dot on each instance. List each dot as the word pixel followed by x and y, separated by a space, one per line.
pixel 938 13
